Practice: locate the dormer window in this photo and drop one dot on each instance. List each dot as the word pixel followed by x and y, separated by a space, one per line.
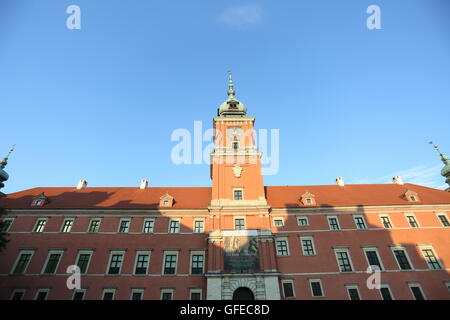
pixel 307 199
pixel 166 200
pixel 411 196
pixel 39 200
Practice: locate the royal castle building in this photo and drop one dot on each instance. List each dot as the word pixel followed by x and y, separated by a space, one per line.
pixel 237 239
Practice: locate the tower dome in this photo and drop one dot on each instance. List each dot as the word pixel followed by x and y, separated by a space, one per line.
pixel 232 107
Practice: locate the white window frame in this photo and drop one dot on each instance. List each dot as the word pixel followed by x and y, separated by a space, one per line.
pixel 352 286
pixel 194 290
pixel 137 290
pixel 128 227
pixel 196 253
pixel 336 250
pixel 337 221
pixel 278 219
pixel 447 285
pixel 111 254
pixel 311 238
pixel 153 225
pixel 83 290
pixel 64 222
pixel 381 216
pixel 9 227
pixel 398 247
pixel 386 286
pixel 364 220
pixel 446 217
pixel 90 223
pixel 109 290
pixel 286 239
pixel 170 253
pixel 300 218
pixel 167 290
pixel 170 224
pixel 291 281
pixel 27 251
pixel 203 226
pixel 373 248
pixel 418 285
pixel 237 218
pixel 310 281
pixel 138 253
pixel 24 291
pixel 36 224
pixel 242 191
pixel 90 253
pixel 415 219
pixel 430 247
pixel 47 290
pixel 50 252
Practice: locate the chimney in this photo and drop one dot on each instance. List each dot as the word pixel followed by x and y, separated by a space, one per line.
pixel 82 184
pixel 144 184
pixel 340 181
pixel 397 180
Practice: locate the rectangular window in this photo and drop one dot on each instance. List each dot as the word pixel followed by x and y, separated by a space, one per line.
pixel 67 225
pixel 416 291
pixel 412 221
pixel 316 288
pixel 288 288
pixel 197 263
pixel 430 258
pixel 83 261
pixel 238 194
pixel 40 224
pixel 6 225
pixel 444 220
pixel 18 294
pixel 386 222
pixel 386 293
pixel 148 226
pixel 282 247
pixel 137 294
pixel 170 263
pixel 22 262
pixel 343 260
pixel 124 226
pixel 174 226
pixel 52 262
pixel 307 246
pixel 372 258
pixel 41 294
pixel 198 226
pixel 108 294
pixel 166 294
pixel 94 226
pixel 195 294
pixel 142 262
pixel 359 222
pixel 78 294
pixel 402 259
pixel 333 223
pixel 278 222
pixel 115 264
pixel 302 221
pixel 353 293
pixel 239 224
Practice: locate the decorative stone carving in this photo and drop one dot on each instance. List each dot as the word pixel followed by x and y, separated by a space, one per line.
pixel 237 170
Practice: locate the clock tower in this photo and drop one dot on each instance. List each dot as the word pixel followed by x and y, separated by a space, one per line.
pixel 235 163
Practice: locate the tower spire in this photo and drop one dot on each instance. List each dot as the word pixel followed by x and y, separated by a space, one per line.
pixel 231 91
pixel 3 174
pixel 445 172
pixel 4 161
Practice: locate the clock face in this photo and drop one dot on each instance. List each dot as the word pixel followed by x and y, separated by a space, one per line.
pixel 234 133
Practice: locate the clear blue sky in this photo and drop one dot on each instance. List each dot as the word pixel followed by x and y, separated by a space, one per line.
pixel 101 103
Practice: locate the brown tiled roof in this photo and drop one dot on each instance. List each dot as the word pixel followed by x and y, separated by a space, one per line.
pixel 200 197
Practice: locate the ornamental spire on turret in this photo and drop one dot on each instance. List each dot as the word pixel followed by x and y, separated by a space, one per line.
pixel 3 174
pixel 445 172
pixel 231 91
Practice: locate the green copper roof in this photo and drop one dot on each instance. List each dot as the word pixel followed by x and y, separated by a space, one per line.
pixel 445 172
pixel 232 107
